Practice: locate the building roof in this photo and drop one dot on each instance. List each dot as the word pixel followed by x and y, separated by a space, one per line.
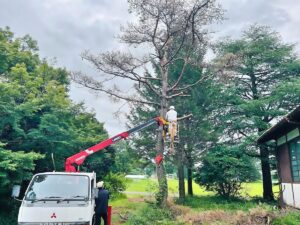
pixel 286 124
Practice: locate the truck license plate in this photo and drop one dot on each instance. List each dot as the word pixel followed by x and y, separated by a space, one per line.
pixel 52 223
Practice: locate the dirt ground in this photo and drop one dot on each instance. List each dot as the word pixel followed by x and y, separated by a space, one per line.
pixel 256 216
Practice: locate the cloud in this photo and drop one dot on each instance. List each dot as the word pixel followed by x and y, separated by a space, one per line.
pixel 240 14
pixel 65 28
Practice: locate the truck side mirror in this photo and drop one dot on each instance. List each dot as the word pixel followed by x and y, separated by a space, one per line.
pixel 16 191
pixel 95 193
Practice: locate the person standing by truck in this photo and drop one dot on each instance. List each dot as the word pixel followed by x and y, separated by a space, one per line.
pixel 101 204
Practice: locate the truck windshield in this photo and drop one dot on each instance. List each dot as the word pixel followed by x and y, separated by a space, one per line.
pixel 57 187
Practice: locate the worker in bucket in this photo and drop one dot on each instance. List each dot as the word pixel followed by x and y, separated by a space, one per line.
pixel 171 117
pixel 101 204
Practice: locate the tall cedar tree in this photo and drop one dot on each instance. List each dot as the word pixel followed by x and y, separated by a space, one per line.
pixel 261 76
pixel 168 31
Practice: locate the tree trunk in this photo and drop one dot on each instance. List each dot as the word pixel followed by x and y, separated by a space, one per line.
pixel 180 168
pixel 264 152
pixel 189 171
pixel 190 180
pixel 162 194
pixel 266 174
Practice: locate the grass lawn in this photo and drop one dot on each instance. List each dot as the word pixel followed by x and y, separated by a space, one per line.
pixel 213 202
pixel 150 185
pixel 203 208
pixel 253 189
pixel 123 207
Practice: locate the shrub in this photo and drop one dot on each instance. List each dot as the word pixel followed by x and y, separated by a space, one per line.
pixel 10 219
pixel 152 215
pixel 224 169
pixel 115 184
pixel 9 209
pixel 292 218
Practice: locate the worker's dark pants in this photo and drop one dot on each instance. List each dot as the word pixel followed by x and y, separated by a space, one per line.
pixel 98 218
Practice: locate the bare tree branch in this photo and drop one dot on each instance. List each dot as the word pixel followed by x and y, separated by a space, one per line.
pixel 180 94
pixel 121 65
pixel 154 35
pixel 86 81
pixel 180 76
pixel 193 84
pixel 184 117
pixel 188 22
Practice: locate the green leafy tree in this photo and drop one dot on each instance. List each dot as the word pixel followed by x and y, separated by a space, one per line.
pixel 115 183
pixel 261 77
pixel 224 169
pixel 126 160
pixel 36 112
pixel 16 166
pixel 37 118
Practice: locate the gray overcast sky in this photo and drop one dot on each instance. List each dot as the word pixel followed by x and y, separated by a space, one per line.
pixel 65 28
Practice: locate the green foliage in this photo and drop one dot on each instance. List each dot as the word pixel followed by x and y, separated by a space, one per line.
pixel 194 133
pixel 9 217
pixel 224 169
pixel 125 159
pixel 292 218
pixel 198 133
pixel 38 118
pixel 9 209
pixel 260 76
pixel 259 71
pixel 211 202
pixel 115 183
pixel 163 188
pixel 36 112
pixel 152 215
pixel 16 166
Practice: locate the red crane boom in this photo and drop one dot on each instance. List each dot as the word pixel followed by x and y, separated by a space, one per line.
pixel 79 158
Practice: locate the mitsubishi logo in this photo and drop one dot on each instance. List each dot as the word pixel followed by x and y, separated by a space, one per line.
pixel 53 216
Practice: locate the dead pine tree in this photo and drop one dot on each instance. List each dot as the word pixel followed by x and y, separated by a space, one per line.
pixel 172 31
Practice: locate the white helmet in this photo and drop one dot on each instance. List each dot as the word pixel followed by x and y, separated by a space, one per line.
pixel 100 184
pixel 172 107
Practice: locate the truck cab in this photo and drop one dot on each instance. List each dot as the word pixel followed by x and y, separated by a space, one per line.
pixel 68 198
pixel 59 198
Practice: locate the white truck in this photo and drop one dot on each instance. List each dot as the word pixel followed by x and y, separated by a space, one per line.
pixel 59 198
pixel 68 198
